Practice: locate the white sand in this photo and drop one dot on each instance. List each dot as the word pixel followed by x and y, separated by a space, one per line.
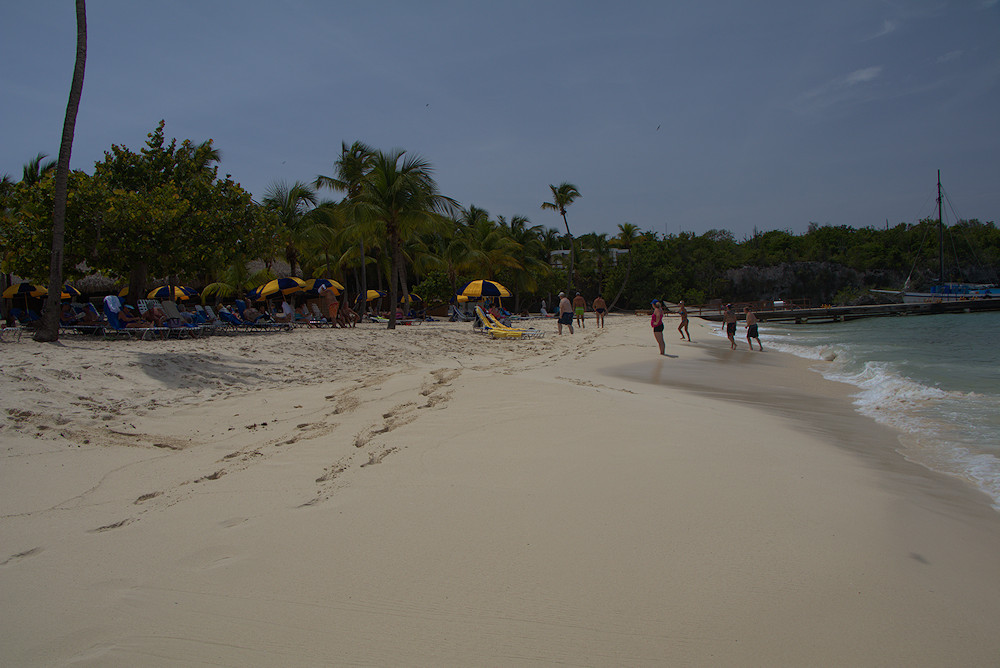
pixel 430 497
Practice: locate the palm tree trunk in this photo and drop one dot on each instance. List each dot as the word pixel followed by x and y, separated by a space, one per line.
pixel 394 275
pixel 49 330
pixel 569 278
pixel 628 270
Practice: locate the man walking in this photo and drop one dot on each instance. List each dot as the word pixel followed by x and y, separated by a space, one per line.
pixel 729 323
pixel 565 313
pixel 579 308
pixel 751 324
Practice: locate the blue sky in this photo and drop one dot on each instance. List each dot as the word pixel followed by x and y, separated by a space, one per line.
pixel 683 116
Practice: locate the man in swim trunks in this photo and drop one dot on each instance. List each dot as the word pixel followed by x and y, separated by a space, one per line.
pixel 729 323
pixel 600 308
pixel 579 308
pixel 565 313
pixel 752 328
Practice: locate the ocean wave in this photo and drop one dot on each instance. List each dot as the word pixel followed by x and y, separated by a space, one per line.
pixel 953 432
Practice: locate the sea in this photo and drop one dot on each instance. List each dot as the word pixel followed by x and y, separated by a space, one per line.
pixel 935 378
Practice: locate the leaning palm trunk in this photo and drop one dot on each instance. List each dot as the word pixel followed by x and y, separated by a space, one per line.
pixel 628 270
pixel 49 330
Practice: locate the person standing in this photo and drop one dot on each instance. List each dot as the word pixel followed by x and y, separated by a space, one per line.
pixel 579 308
pixel 600 308
pixel 729 324
pixel 565 313
pixel 683 327
pixel 657 323
pixel 751 324
pixel 542 310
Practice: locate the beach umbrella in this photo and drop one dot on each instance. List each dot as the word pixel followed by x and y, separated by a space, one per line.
pixel 162 293
pixel 285 286
pixel 414 297
pixel 25 290
pixel 374 294
pixel 123 292
pixel 69 292
pixel 313 286
pixel 461 299
pixel 484 288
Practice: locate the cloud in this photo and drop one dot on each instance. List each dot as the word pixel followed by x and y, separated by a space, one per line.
pixel 950 56
pixel 888 27
pixel 837 91
pixel 861 76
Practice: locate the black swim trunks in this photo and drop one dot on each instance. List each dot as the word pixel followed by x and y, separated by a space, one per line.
pixel 566 318
pixel 658 328
pixel 730 328
pixel 752 332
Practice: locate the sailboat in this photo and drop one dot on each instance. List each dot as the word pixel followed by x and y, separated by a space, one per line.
pixel 946 291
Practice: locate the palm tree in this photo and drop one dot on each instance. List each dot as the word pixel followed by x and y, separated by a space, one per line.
pixel 49 330
pixel 35 169
pixel 531 255
pixel 351 168
pixel 628 235
pixel 491 248
pixel 564 195
pixel 400 196
pixel 291 203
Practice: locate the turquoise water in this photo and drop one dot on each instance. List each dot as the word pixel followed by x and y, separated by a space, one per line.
pixel 935 378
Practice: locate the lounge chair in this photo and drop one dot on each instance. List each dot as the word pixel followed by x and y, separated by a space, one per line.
pixel 498 330
pixel 176 322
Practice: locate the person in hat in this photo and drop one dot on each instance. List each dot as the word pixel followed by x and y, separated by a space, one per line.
pixel 565 313
pixel 729 324
pixel 657 323
pixel 600 308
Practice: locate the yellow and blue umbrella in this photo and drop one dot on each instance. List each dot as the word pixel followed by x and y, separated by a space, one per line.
pixel 163 293
pixel 484 288
pixel 69 292
pixel 313 286
pixel 25 290
pixel 286 286
pixel 375 294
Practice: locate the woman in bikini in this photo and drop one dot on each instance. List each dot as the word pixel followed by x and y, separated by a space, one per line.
pixel 683 327
pixel 657 324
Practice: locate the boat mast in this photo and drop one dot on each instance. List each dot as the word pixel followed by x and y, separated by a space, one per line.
pixel 940 235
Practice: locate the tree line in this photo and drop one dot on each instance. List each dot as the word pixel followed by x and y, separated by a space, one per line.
pixel 165 212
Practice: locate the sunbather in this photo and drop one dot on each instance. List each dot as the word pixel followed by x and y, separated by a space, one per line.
pixel 129 318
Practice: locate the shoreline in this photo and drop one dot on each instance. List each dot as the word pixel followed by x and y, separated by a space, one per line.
pixel 430 496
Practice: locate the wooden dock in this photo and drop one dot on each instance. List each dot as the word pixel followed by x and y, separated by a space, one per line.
pixel 845 313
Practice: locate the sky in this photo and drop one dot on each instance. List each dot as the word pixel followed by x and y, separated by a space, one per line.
pixel 673 116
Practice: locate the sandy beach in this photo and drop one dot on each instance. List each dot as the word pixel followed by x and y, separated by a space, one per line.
pixel 430 497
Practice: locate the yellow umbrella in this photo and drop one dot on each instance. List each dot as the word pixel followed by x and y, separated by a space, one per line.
pixel 374 294
pixel 25 290
pixel 484 288
pixel 314 285
pixel 286 286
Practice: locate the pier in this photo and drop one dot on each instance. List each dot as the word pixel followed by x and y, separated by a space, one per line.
pixel 845 313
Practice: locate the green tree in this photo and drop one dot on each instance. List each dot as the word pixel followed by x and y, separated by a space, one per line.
pixel 291 205
pixel 49 330
pixel 400 197
pixel 564 195
pixel 168 213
